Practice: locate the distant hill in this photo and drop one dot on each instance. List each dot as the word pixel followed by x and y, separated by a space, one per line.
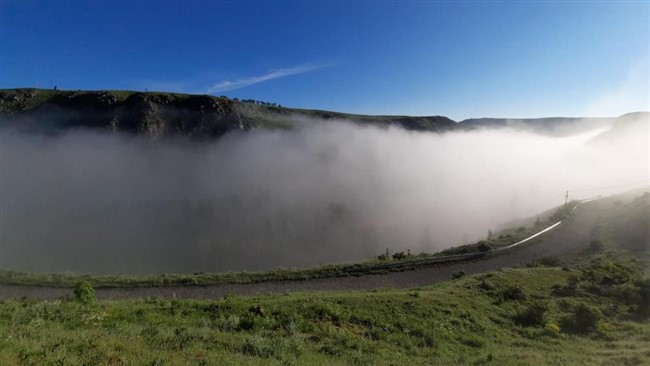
pixel 628 128
pixel 554 126
pixel 161 114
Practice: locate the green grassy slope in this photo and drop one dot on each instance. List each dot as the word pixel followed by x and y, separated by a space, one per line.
pixel 510 317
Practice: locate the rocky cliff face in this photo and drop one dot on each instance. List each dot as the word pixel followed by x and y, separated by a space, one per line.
pixel 169 114
pixel 153 114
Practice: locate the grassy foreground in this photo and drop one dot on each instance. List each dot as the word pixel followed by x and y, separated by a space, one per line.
pixel 594 314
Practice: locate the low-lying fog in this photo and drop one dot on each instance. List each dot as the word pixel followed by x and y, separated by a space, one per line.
pixel 325 193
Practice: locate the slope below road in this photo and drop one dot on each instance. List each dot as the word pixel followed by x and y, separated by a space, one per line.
pixel 574 233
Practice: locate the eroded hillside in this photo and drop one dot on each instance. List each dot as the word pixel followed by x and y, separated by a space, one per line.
pixel 171 114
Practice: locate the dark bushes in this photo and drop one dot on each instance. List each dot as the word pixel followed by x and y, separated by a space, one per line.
pixel 457 275
pixel 532 315
pixel 549 261
pixel 84 292
pixel 482 247
pixel 513 293
pixel 619 280
pixel 643 302
pixel 582 319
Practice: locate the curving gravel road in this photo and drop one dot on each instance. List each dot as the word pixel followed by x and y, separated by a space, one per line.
pixel 570 235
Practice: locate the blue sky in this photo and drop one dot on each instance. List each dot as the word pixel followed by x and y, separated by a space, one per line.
pixel 459 59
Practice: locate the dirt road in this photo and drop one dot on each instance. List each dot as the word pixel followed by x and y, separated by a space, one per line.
pixel 572 234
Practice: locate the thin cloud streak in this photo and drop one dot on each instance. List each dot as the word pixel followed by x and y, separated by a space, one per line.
pixel 275 74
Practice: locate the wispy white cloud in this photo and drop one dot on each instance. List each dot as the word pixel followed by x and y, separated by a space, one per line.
pixel 274 74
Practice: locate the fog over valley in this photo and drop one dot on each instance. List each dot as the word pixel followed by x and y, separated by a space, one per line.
pixel 326 192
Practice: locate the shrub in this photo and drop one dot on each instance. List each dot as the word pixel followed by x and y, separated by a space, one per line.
pixel 150 333
pixel 583 319
pixel 531 315
pixel 459 274
pixel 549 261
pixel 331 350
pixel 323 311
pixel 257 347
pixel 513 293
pixel 644 297
pixel 473 341
pixel 256 310
pixel 180 339
pixel 607 272
pixel 247 323
pixel 562 213
pixel 84 292
pixel 568 289
pixel 486 285
pixel 291 327
pixel 596 246
pixel 156 362
pixel 385 256
pixel 552 328
pixel 619 280
pixel 629 293
pixel 482 247
pixel 227 324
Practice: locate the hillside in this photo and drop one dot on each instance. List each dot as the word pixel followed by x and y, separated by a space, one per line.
pixel 554 126
pixel 161 114
pixel 630 225
pixel 628 128
pixel 170 114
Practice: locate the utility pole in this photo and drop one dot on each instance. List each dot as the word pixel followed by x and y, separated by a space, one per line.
pixel 566 198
